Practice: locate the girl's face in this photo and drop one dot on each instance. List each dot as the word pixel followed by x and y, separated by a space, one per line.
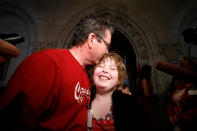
pixel 105 76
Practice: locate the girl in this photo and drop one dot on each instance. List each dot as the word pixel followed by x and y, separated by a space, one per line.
pixel 111 109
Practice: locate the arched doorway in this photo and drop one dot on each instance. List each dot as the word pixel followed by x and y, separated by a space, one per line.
pixel 130 39
pixel 122 46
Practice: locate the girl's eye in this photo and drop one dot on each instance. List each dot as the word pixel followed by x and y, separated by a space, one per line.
pixel 101 66
pixel 113 68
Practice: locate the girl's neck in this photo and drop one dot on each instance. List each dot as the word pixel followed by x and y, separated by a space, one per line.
pixel 101 105
pixel 103 97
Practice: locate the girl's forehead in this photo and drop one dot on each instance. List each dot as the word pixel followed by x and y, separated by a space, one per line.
pixel 108 60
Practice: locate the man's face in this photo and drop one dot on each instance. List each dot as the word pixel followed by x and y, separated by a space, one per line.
pixel 101 47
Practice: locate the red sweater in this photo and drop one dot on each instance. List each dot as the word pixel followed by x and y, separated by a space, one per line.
pixel 49 90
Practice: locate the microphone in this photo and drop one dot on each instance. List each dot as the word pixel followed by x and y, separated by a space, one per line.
pixel 12 38
pixel 176 71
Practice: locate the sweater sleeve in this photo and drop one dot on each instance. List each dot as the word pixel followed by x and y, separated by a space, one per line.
pixel 26 91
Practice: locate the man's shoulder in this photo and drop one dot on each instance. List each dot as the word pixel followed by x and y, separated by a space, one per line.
pixel 52 51
pixel 55 56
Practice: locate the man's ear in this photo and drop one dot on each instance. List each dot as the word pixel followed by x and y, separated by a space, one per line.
pixel 91 40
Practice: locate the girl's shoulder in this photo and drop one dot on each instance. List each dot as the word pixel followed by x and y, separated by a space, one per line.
pixel 124 99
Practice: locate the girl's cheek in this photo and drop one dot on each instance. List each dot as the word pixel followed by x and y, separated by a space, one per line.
pixel 96 72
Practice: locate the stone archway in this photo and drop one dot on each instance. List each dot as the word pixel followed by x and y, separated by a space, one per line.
pixel 141 43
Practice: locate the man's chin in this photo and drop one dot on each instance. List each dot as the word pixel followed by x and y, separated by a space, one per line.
pixel 92 64
pixel 95 62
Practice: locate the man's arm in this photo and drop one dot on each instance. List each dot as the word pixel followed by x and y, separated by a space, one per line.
pixel 27 89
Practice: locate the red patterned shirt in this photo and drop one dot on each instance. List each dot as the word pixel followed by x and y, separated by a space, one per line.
pixel 104 124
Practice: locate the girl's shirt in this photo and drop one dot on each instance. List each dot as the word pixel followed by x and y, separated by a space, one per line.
pixel 104 124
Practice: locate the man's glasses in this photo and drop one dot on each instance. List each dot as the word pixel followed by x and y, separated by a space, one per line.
pixel 106 43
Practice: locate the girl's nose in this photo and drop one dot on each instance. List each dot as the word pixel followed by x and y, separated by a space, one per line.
pixel 105 70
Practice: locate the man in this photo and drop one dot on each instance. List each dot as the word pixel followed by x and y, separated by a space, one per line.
pixel 50 89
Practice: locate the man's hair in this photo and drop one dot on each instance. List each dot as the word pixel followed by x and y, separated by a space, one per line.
pixel 120 66
pixel 87 25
